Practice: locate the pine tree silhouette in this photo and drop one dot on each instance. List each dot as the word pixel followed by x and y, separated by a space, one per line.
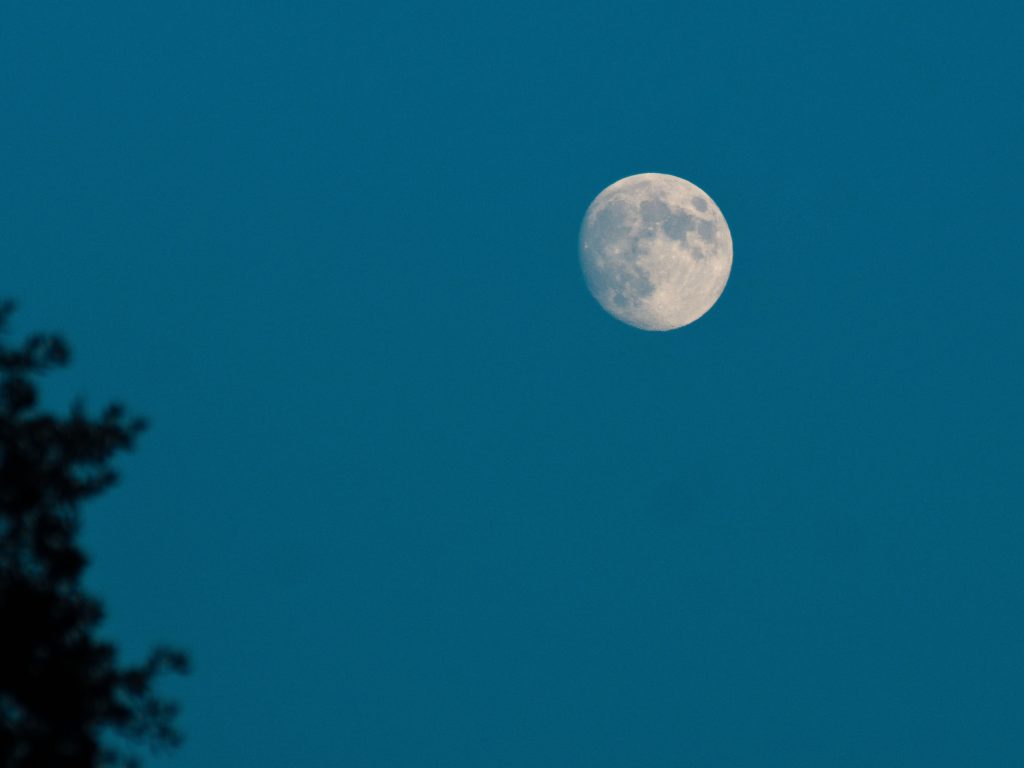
pixel 65 698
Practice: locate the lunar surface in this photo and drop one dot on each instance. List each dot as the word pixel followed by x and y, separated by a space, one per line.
pixel 656 251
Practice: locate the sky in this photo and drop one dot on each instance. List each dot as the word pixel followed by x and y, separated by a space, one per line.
pixel 411 498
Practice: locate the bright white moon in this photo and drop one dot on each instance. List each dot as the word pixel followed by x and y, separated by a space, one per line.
pixel 656 251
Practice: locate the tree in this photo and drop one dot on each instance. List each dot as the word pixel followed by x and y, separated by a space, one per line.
pixel 66 701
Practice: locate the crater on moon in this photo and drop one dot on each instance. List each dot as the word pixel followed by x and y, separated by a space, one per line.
pixel 656 251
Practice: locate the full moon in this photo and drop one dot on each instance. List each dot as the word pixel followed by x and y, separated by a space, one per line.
pixel 656 251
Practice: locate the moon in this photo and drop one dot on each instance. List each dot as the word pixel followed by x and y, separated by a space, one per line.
pixel 656 251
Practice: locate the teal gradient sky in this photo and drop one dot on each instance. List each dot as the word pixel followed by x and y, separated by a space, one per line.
pixel 412 499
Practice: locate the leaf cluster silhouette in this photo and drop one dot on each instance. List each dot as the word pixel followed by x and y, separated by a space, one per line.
pixel 66 700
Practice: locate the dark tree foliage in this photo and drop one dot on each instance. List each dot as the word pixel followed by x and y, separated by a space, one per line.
pixel 65 698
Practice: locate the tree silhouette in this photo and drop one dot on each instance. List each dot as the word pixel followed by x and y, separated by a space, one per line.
pixel 65 699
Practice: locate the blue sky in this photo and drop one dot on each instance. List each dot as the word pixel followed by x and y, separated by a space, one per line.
pixel 412 499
